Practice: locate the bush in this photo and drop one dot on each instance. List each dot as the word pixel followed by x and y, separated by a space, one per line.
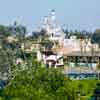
pixel 40 84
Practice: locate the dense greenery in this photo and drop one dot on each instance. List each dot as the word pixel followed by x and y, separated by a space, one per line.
pixel 48 84
pixel 79 34
pixel 96 37
pixel 40 84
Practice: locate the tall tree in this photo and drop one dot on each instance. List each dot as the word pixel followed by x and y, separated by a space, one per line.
pixel 96 37
pixel 40 84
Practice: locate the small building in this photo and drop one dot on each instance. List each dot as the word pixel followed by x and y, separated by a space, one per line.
pixel 55 61
pixel 11 39
pixel 53 30
pixel 51 59
pixel 85 59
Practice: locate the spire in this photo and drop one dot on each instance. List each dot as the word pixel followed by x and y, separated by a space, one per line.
pixel 53 12
pixel 49 24
pixel 53 16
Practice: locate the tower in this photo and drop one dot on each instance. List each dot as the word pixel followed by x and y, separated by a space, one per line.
pixel 52 28
pixel 53 15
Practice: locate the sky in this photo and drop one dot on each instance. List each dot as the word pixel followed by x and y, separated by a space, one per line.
pixel 73 14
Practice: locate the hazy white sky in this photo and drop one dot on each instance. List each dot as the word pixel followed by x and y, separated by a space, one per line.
pixel 75 14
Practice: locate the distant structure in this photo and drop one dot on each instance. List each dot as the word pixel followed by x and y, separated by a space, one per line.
pixel 50 26
pixel 66 45
pixel 76 51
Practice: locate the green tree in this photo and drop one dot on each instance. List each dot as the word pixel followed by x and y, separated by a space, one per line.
pixel 97 90
pixel 4 50
pixel 96 37
pixel 40 84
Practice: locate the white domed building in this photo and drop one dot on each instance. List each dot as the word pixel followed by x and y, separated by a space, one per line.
pixel 52 29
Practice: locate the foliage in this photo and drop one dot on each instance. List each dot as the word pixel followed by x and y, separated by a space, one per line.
pixel 97 90
pixel 9 51
pixel 79 34
pixel 4 31
pixel 49 84
pixel 40 84
pixel 47 44
pixel 17 29
pixel 98 66
pixel 96 37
